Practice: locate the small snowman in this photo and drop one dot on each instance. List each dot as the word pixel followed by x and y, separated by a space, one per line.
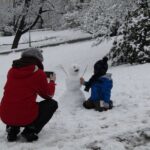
pixel 73 97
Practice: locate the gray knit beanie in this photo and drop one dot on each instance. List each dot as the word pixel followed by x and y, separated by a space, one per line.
pixel 33 52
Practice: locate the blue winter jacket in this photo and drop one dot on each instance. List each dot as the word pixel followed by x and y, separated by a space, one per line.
pixel 101 90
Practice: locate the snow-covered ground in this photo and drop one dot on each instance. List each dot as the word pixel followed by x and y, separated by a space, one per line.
pixel 126 127
pixel 42 38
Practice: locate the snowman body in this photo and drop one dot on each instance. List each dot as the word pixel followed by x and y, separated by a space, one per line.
pixel 73 97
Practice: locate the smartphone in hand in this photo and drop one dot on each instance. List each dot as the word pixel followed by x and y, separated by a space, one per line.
pixel 49 73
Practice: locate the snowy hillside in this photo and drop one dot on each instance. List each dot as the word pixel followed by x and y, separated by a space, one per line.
pixel 126 127
pixel 43 38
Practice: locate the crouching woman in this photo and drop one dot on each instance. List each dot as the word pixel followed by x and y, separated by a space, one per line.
pixel 25 81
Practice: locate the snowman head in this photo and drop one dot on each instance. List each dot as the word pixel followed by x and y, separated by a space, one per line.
pixel 74 70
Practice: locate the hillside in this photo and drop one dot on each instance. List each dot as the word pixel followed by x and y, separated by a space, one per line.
pixel 126 127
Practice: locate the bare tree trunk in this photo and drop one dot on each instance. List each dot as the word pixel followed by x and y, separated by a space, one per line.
pixel 18 33
pixel 22 24
pixel 41 23
pixel 16 39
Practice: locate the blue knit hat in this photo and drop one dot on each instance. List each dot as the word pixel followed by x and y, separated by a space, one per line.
pixel 101 66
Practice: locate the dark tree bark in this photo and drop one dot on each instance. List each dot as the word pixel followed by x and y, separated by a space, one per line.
pixel 41 23
pixel 21 22
pixel 22 27
pixel 18 33
pixel 16 40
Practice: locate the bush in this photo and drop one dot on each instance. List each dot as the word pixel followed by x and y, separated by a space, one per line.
pixel 134 45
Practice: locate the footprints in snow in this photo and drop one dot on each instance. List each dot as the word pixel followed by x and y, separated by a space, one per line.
pixel 139 140
pixel 132 141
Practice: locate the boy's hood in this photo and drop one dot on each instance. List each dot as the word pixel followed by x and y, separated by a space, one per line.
pixel 107 76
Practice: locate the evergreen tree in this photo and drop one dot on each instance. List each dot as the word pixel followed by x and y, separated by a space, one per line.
pixel 134 45
pixel 104 17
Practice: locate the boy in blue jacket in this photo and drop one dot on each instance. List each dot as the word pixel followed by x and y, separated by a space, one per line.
pixel 100 84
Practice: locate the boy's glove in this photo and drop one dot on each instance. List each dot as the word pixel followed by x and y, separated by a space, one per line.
pixel 53 77
pixel 82 81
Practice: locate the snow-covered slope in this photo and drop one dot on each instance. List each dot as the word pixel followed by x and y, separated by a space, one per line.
pixel 42 38
pixel 123 128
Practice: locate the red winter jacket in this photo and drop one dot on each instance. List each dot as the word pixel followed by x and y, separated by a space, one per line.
pixel 18 105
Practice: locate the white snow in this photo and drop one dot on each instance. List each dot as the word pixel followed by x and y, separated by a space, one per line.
pixel 42 37
pixel 81 129
pixel 73 95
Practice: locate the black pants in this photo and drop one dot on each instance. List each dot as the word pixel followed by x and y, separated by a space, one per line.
pixel 46 111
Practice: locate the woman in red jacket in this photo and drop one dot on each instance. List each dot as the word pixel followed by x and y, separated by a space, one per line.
pixel 25 80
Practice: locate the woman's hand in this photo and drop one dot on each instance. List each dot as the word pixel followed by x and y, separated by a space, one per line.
pixel 53 77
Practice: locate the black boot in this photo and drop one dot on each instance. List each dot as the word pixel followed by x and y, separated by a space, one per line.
pixel 29 135
pixel 110 104
pixel 12 133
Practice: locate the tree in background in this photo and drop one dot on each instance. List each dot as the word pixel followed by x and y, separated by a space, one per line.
pixel 104 17
pixel 134 45
pixel 98 17
pixel 29 16
pixel 16 10
pixel 74 14
pixel 101 18
pixel 54 19
pixel 5 17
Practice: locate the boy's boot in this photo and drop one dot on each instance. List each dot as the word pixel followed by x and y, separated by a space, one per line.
pixel 88 104
pixel 99 106
pixel 110 104
pixel 12 133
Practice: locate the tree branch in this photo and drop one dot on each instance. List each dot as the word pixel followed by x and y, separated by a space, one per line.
pixel 35 21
